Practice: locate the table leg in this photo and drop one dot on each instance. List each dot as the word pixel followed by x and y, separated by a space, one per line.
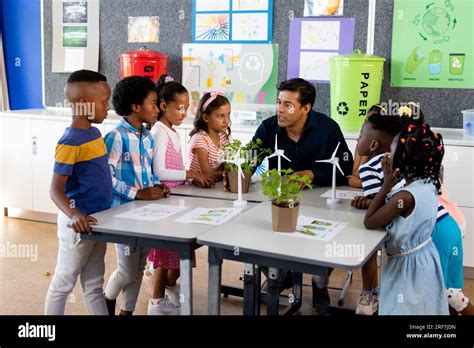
pixel 249 289
pixel 258 289
pixel 214 282
pixel 186 274
pixel 273 295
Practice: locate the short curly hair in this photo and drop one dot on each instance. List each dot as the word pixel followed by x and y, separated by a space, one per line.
pixel 131 90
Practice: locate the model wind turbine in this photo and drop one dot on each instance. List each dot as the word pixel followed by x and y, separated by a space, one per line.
pixel 278 153
pixel 238 161
pixel 335 163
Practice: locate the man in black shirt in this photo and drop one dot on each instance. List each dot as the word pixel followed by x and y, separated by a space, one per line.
pixel 306 136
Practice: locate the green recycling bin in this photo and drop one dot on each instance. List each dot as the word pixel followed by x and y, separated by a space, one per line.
pixel 356 84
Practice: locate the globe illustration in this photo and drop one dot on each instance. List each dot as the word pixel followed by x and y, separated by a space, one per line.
pixel 436 21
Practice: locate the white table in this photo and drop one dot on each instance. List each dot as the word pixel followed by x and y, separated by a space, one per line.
pixel 165 233
pixel 255 194
pixel 251 290
pixel 252 236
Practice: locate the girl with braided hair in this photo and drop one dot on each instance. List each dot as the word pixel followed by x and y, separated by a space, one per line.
pixel 412 281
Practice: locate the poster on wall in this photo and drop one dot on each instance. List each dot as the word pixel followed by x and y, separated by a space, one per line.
pixel 433 44
pixel 313 8
pixel 232 21
pixel 313 41
pixel 75 35
pixel 143 29
pixel 246 73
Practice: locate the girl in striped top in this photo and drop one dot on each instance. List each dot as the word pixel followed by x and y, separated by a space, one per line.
pixel 211 131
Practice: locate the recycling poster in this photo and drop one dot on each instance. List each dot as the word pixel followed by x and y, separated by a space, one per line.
pixel 432 44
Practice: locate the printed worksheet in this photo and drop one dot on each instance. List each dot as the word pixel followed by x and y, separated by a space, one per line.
pixel 151 212
pixel 209 216
pixel 343 194
pixel 316 228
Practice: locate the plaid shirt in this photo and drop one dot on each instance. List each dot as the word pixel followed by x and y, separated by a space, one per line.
pixel 130 154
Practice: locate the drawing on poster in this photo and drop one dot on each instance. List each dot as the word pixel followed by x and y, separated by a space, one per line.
pixel 323 8
pixel 323 35
pixel 246 73
pixel 212 27
pixel 250 26
pixel 75 12
pixel 75 36
pixel 143 29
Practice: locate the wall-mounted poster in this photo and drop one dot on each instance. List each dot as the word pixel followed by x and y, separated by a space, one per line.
pixel 433 44
pixel 323 8
pixel 75 12
pixel 75 35
pixel 236 21
pixel 313 41
pixel 246 73
pixel 143 29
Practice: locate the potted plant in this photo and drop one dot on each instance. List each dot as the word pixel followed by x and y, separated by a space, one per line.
pixel 285 190
pixel 252 153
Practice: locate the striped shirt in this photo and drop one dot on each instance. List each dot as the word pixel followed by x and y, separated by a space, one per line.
pixel 201 140
pixel 82 157
pixel 129 154
pixel 371 177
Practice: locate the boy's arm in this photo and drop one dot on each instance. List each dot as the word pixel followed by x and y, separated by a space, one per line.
pixel 113 141
pixel 79 221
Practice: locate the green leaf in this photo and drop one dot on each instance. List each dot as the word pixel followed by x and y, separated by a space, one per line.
pixel 291 188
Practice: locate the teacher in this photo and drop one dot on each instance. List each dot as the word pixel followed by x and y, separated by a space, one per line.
pixel 306 136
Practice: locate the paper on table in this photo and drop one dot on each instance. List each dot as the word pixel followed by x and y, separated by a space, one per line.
pixel 151 212
pixel 209 216
pixel 343 194
pixel 316 228
pixel 73 59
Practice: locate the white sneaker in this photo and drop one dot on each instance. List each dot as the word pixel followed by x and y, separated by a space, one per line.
pixel 365 306
pixel 375 302
pixel 165 307
pixel 150 270
pixel 173 292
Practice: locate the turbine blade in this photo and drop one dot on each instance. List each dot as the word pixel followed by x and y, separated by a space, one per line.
pixel 282 155
pixel 338 167
pixel 324 161
pixel 272 155
pixel 335 151
pixel 276 142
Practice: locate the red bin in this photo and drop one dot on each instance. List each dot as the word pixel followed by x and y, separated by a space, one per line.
pixel 143 62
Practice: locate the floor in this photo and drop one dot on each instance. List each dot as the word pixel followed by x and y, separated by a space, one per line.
pixel 24 280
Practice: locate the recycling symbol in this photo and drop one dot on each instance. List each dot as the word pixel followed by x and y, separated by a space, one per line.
pixel 253 63
pixel 342 108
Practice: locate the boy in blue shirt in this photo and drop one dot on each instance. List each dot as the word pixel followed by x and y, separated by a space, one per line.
pixel 81 185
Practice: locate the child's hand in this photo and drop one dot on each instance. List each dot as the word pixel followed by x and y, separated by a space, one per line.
pixel 203 180
pixel 354 181
pixel 150 194
pixel 80 223
pixel 390 176
pixel 165 191
pixel 225 182
pixel 361 202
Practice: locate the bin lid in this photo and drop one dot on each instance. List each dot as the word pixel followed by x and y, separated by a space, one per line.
pixel 146 53
pixel 358 56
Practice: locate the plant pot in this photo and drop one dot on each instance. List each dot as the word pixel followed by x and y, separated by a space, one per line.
pixel 284 219
pixel 234 184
